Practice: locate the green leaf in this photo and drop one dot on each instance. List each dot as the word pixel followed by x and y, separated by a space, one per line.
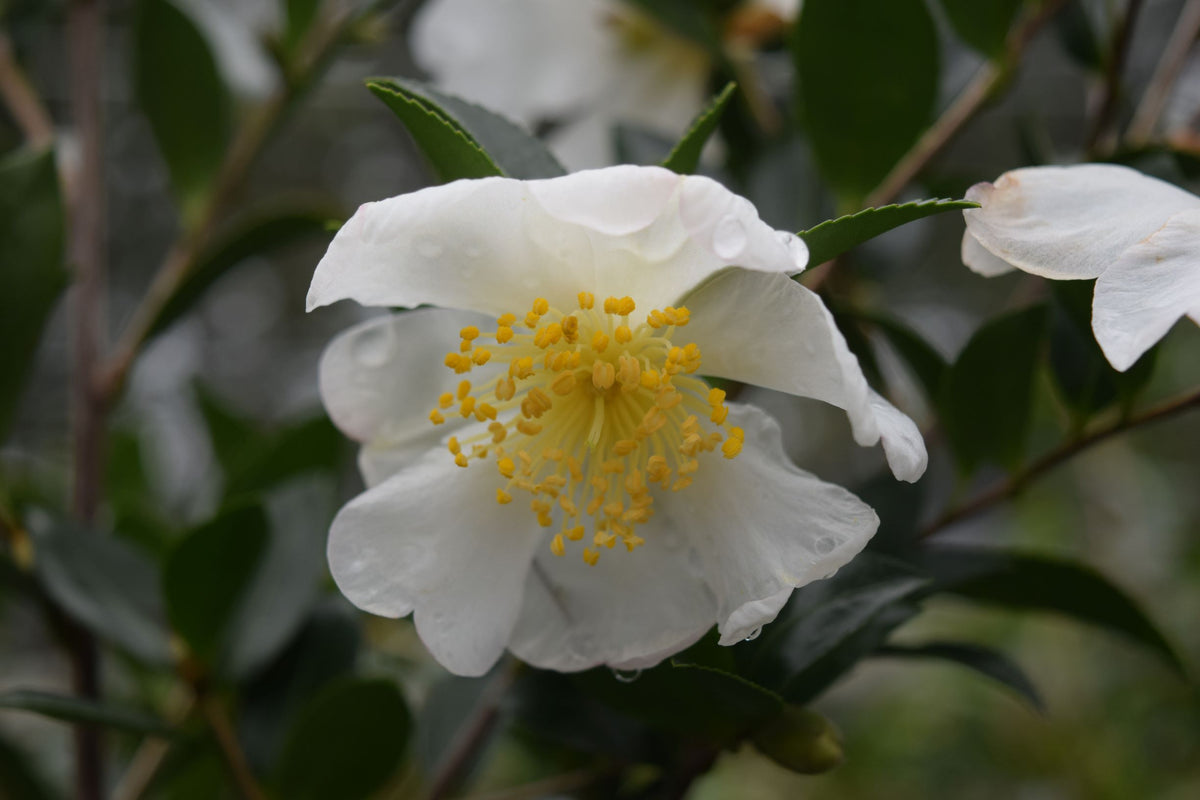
pixel 259 234
pixel 1032 582
pixel 89 712
pixel 694 19
pixel 207 574
pixel 18 778
pixel 987 397
pixel 801 740
pixel 32 277
pixel 1078 37
pixel 347 742
pixel 298 19
pixel 685 156
pixel 982 24
pixel 830 625
pixel 105 585
pixel 868 78
pixel 835 236
pixel 986 661
pixel 926 363
pixel 461 139
pixel 182 95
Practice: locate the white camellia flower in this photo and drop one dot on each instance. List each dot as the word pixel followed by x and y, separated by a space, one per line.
pixel 545 470
pixel 1138 236
pixel 611 63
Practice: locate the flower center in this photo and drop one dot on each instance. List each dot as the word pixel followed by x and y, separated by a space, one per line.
pixel 592 413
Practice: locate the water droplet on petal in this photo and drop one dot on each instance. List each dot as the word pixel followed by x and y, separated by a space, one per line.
pixel 796 248
pixel 429 248
pixel 825 545
pixel 754 634
pixel 627 675
pixel 729 239
pixel 372 347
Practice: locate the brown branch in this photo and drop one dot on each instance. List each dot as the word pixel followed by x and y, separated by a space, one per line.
pixel 1017 483
pixel 231 750
pixel 473 733
pixel 21 99
pixel 1154 98
pixel 85 38
pixel 1115 65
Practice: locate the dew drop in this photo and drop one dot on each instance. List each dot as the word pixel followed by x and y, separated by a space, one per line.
pixel 372 347
pixel 627 675
pixel 796 248
pixel 729 239
pixel 429 248
pixel 754 634
pixel 825 545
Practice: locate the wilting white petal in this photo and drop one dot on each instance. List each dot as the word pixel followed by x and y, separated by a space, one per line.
pixel 1070 222
pixel 981 260
pixel 761 525
pixel 1153 283
pixel 411 544
pixel 767 330
pixel 639 231
pixel 630 610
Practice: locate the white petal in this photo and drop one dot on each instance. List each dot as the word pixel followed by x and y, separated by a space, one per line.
pixel 1070 222
pixel 493 245
pixel 430 540
pixel 380 378
pixel 765 329
pixel 1152 285
pixel 762 526
pixel 982 260
pixel 630 610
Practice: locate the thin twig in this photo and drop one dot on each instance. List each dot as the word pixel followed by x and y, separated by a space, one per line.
pixel 1154 98
pixel 1115 65
pixel 85 37
pixel 152 752
pixel 987 80
pixel 21 99
pixel 231 751
pixel 247 144
pixel 473 733
pixel 1014 485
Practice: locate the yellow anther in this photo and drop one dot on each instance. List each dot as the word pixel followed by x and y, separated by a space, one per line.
pixel 575 468
pixel 716 396
pixel 556 545
pixel 503 497
pixel 531 320
pixel 668 399
pixel 652 422
pixel 656 319
pixel 488 411
pixel 464 389
pixel 461 459
pixel 603 375
pixel 570 328
pixel 614 509
pixel 737 433
pixel 539 506
pixel 630 373
pixel 594 504
pixel 586 300
pixel 623 335
pixel 545 520
pixel 599 341
pixel 541 306
pixel 650 378
pixel 464 346
pixel 505 389
pixel 467 406
pixel 481 355
pixel 568 506
pixel 732 447
pixel 633 542
pixel 470 332
pixel 553 454
pixel 529 428
pixel 564 384
pixel 445 400
pixel 574 534
pixel 453 445
pixel 504 334
pixel 677 316
pixel 498 431
pixel 626 306
pixel 624 447
pixel 610 305
pixel 521 367
pixel 591 556
pixel 436 417
pixel 719 413
pixel 681 484
pixel 506 320
pixel 612 466
pixel 507 467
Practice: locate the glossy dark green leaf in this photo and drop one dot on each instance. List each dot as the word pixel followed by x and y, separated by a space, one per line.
pixel 1086 381
pixel 695 700
pixel 1032 582
pixel 830 625
pixel 986 401
pixel 347 742
pixel 76 709
pixel 867 81
pixel 105 585
pixel 461 139
pixel 181 92
pixel 553 707
pixel 259 234
pixel 835 236
pixel 136 517
pixel 32 276
pixel 685 156
pixel 325 648
pixel 987 661
pixel 19 779
pixel 982 24
pixel 208 573
pixel 801 740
